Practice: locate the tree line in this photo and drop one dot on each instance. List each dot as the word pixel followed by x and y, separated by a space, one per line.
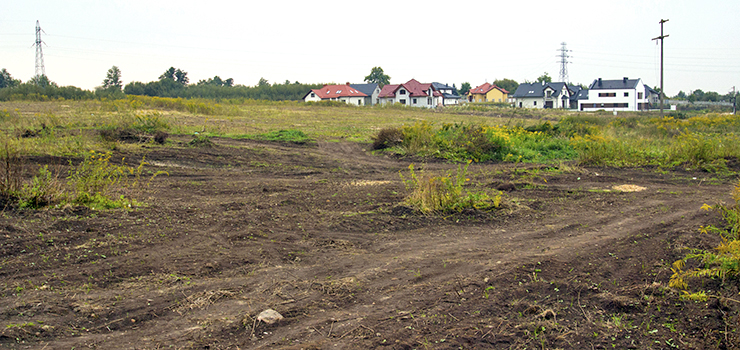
pixel 174 82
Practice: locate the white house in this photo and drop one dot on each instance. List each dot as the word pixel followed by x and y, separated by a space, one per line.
pixel 411 93
pixel 545 95
pixel 343 93
pixel 618 95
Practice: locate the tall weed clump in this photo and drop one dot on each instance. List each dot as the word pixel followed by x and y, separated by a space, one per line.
pixel 723 261
pixel 44 189
pixel 10 172
pixel 446 193
pixel 98 183
pixel 137 128
pixel 460 142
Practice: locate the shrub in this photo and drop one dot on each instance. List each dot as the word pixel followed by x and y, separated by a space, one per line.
pixel 721 262
pixel 200 140
pixel 44 189
pixel 387 137
pixel 439 194
pixel 95 177
pixel 160 137
pixel 10 168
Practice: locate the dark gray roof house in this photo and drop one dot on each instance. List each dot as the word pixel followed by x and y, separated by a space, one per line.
pixel 546 95
pixel 448 97
pixel 371 90
pixel 624 83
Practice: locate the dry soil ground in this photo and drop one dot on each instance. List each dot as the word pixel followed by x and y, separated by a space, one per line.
pixel 316 233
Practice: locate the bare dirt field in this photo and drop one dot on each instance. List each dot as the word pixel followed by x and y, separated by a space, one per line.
pixel 316 232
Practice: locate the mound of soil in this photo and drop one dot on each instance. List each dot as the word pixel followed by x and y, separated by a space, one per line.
pixel 317 233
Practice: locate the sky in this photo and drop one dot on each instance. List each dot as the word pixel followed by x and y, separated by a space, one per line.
pixel 329 41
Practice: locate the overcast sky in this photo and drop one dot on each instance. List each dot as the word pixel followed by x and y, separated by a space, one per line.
pixel 328 41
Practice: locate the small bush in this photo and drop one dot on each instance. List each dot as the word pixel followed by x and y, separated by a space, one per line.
pixel 43 190
pixel 387 137
pixel 160 137
pixel 200 140
pixel 724 260
pixel 439 194
pixel 10 172
pixel 95 177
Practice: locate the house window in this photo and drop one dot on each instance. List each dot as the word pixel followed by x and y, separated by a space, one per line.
pixel 313 94
pixel 549 94
pixel 607 94
pixel 639 95
pixel 403 101
pixel 626 94
pixel 413 101
pixel 429 100
pixel 535 103
pixel 402 92
pixel 520 105
pixel 359 102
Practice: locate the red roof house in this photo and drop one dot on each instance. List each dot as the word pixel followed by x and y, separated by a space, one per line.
pixel 344 93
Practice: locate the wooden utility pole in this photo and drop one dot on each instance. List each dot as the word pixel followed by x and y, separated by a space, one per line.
pixel 661 37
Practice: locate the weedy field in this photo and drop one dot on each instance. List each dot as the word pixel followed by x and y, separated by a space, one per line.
pixel 152 223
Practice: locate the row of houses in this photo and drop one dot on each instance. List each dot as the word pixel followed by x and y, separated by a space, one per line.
pixel 617 95
pixel 612 95
pixel 411 93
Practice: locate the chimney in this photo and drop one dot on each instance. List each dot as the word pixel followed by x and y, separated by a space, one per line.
pixel 625 79
pixel 599 81
pixel 348 83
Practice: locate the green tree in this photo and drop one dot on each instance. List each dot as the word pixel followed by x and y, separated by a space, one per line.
pixel 509 85
pixel 168 74
pixel 377 76
pixel 6 80
pixel 464 88
pixel 177 75
pixel 42 81
pixel 544 78
pixel 696 95
pixel 263 82
pixel 711 96
pixel 181 77
pixel 112 81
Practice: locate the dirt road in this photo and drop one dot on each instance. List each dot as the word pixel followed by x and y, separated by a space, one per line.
pixel 316 233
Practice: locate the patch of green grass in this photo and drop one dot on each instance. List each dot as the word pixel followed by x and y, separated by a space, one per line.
pixel 289 135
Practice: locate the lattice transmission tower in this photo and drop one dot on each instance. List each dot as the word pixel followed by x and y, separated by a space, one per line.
pixel 564 62
pixel 40 70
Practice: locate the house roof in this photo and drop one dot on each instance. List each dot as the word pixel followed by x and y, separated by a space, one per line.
pixel 624 83
pixel 485 88
pixel 582 94
pixel 366 89
pixel 440 86
pixel 388 90
pixel 538 89
pixel 415 89
pixel 335 91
